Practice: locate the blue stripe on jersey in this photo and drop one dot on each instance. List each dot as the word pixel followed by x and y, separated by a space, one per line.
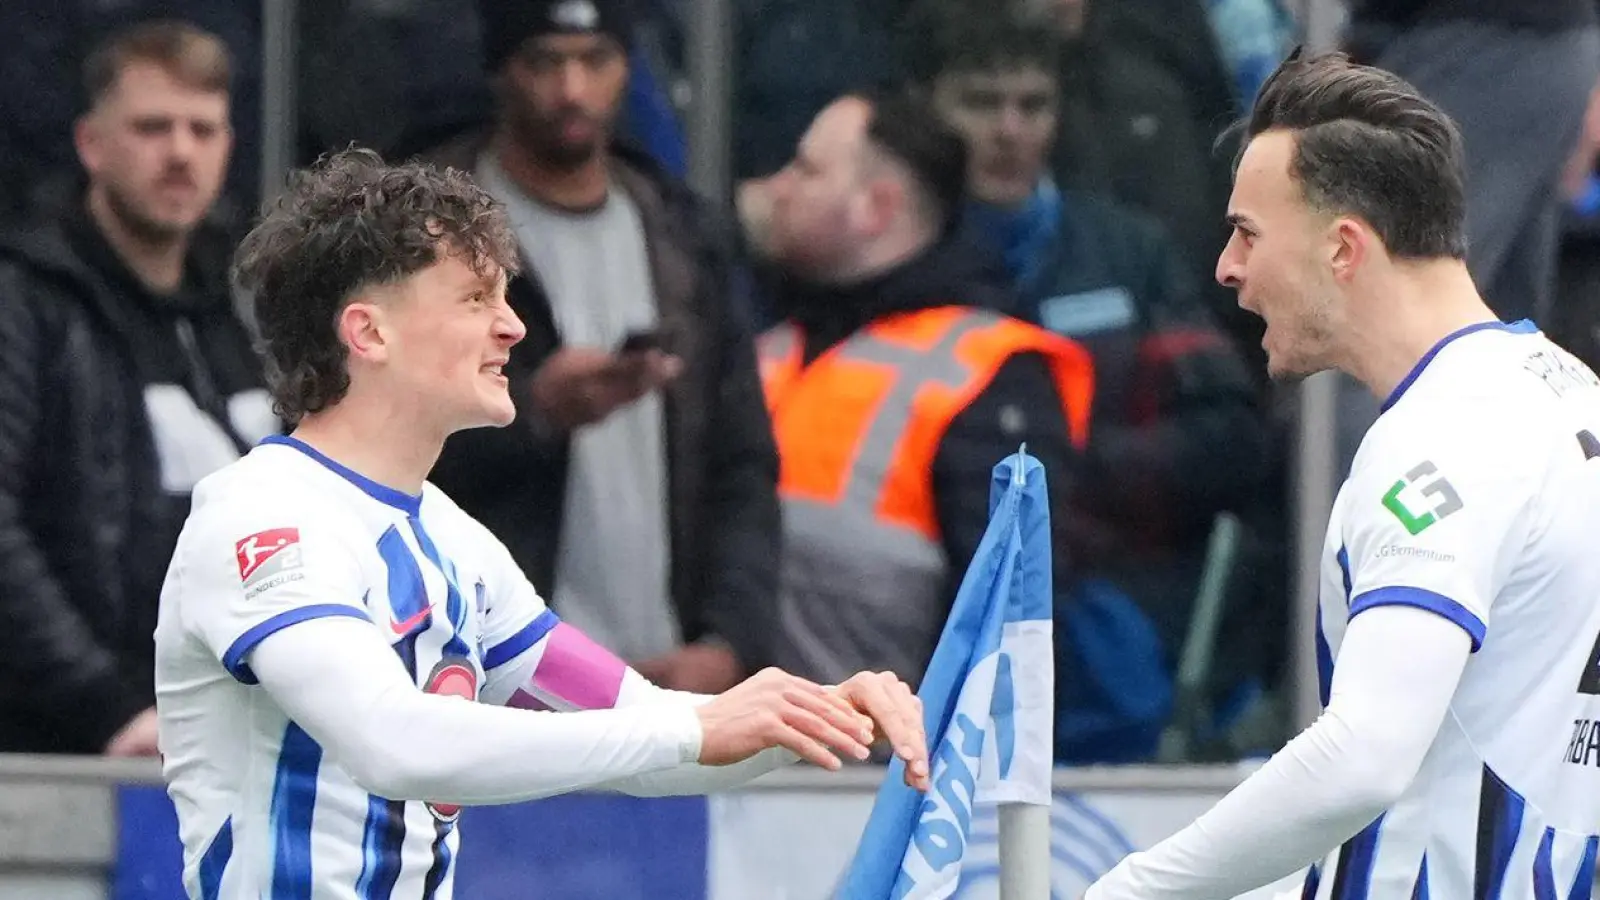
pixel 1324 664
pixel 1583 884
pixel 439 872
pixel 513 646
pixel 1499 822
pixel 294 805
pixel 408 593
pixel 1419 891
pixel 1325 652
pixel 454 607
pixel 214 861
pixel 381 844
pixel 233 657
pixel 1313 881
pixel 1544 873
pixel 1352 877
pixel 1421 599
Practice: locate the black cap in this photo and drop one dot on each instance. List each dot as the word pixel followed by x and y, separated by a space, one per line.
pixel 507 23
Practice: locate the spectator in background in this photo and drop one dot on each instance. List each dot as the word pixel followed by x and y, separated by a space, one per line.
pixel 1145 92
pixel 1516 77
pixel 45 43
pixel 893 386
pixel 637 486
pixel 1178 436
pixel 125 377
pixel 381 98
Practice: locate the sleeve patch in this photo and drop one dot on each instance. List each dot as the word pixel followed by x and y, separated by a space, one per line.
pixel 268 559
pixel 1432 497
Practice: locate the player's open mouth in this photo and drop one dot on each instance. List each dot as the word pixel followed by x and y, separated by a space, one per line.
pixel 496 369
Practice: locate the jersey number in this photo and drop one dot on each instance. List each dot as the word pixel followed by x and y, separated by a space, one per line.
pixel 1589 683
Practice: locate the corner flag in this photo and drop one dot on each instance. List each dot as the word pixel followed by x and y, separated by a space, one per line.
pixel 987 702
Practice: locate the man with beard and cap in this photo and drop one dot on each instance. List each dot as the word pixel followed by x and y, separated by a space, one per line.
pixel 638 487
pixel 125 377
pixel 893 386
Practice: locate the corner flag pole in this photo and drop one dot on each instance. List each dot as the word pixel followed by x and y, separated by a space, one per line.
pixel 1024 851
pixel 1024 834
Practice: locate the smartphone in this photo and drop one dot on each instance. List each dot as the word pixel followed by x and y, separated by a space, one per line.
pixel 640 342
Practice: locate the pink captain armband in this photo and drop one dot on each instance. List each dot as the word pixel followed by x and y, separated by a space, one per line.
pixel 573 672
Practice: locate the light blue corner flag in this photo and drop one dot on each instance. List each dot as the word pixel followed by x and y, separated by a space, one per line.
pixel 987 702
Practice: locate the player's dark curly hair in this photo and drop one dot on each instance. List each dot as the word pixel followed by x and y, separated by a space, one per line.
pixel 1369 144
pixel 348 222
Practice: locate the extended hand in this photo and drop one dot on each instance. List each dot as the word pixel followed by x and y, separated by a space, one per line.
pixel 776 709
pixel 897 713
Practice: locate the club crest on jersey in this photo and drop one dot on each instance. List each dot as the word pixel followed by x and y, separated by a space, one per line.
pixel 454 676
pixel 268 558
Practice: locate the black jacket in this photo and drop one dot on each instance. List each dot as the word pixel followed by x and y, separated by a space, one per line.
pixel 86 529
pixel 722 466
pixel 1021 404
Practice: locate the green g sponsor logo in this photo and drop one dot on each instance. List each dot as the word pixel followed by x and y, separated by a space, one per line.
pixel 1436 489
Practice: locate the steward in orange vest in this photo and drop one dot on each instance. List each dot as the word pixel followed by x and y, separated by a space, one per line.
pixel 883 438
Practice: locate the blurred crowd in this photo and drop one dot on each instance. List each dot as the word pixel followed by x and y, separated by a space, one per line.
pixel 761 432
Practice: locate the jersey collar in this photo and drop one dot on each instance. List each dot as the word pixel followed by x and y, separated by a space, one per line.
pixel 409 504
pixel 1521 326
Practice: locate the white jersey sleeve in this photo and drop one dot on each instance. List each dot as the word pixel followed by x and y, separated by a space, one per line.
pixel 1392 688
pixel 532 660
pixel 1437 515
pixel 256 569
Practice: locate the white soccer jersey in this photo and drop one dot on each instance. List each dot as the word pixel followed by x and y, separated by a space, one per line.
pixel 263 813
pixel 1476 495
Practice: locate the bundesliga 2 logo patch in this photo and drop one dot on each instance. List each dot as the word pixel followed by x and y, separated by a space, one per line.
pixel 267 559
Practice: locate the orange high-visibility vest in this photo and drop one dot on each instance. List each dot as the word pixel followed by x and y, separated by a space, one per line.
pixel 857 431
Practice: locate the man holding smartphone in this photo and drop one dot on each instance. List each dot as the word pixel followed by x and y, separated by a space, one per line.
pixel 581 386
pixel 638 486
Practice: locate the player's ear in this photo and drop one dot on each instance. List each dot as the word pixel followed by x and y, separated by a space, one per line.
pixel 360 327
pixel 1349 243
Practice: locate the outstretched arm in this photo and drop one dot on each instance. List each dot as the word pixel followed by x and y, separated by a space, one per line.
pixel 565 670
pixel 338 679
pixel 1398 669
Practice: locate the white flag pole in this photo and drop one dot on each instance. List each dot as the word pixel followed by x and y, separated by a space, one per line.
pixel 1024 851
pixel 1024 833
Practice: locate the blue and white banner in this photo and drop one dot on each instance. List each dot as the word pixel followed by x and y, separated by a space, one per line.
pixel 987 705
pixel 756 844
pixel 797 844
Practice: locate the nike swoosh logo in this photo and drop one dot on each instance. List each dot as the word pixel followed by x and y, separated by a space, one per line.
pixel 410 623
